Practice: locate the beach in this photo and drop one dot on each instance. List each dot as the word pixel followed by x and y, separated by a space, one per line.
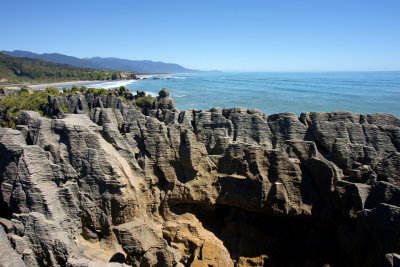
pixel 59 84
pixel 94 84
pixel 103 82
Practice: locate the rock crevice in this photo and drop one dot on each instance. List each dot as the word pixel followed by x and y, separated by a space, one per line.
pixel 155 186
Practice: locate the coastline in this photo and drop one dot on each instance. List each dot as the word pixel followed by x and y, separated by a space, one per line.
pixel 66 83
pixel 58 84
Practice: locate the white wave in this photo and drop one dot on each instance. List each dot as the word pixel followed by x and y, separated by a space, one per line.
pixel 152 94
pixel 109 85
pixel 179 96
pixel 159 77
pixel 145 76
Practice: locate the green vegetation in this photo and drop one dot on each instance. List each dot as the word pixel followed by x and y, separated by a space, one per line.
pixel 84 89
pixel 64 108
pixel 17 70
pixel 52 91
pixel 14 103
pixel 144 101
pixel 101 91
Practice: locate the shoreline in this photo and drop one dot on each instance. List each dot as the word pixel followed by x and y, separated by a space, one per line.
pixel 42 86
pixel 58 84
pixel 66 83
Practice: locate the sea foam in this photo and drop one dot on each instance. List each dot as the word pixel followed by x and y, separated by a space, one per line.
pixel 109 85
pixel 359 92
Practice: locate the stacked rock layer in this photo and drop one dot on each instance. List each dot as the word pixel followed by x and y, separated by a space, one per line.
pixel 112 185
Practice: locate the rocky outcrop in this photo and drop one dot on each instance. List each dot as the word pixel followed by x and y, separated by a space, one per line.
pixel 122 100
pixel 124 75
pixel 143 246
pixel 116 183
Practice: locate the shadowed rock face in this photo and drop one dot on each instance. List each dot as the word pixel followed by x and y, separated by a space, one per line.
pixel 223 187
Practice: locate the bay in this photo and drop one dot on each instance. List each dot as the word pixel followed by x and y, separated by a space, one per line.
pixel 274 92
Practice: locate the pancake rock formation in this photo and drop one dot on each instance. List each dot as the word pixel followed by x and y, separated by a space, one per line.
pixel 120 183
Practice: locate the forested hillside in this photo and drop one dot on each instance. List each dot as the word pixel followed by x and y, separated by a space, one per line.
pixel 100 63
pixel 29 69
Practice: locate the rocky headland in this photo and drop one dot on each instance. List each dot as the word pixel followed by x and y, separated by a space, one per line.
pixel 123 179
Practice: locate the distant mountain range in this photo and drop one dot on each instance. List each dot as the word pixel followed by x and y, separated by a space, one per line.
pixel 16 70
pixel 117 64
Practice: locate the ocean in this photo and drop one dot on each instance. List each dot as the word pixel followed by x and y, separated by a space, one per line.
pixel 273 92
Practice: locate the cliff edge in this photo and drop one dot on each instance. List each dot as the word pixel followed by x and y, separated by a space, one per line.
pixel 134 181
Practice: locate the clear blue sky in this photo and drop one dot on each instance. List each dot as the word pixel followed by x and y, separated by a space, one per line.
pixel 248 35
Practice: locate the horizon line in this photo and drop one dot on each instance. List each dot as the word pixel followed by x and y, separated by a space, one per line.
pixel 300 71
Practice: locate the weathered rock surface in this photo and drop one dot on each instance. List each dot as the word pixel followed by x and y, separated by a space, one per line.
pixel 149 185
pixel 9 257
pixel 143 246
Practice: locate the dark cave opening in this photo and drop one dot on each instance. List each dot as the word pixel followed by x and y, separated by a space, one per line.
pixel 287 241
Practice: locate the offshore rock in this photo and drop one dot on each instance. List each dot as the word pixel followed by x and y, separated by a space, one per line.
pixel 126 179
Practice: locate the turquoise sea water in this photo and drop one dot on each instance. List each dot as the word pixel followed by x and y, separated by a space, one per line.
pixel 360 92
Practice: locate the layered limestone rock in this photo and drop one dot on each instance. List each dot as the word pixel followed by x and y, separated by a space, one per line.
pixel 117 182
